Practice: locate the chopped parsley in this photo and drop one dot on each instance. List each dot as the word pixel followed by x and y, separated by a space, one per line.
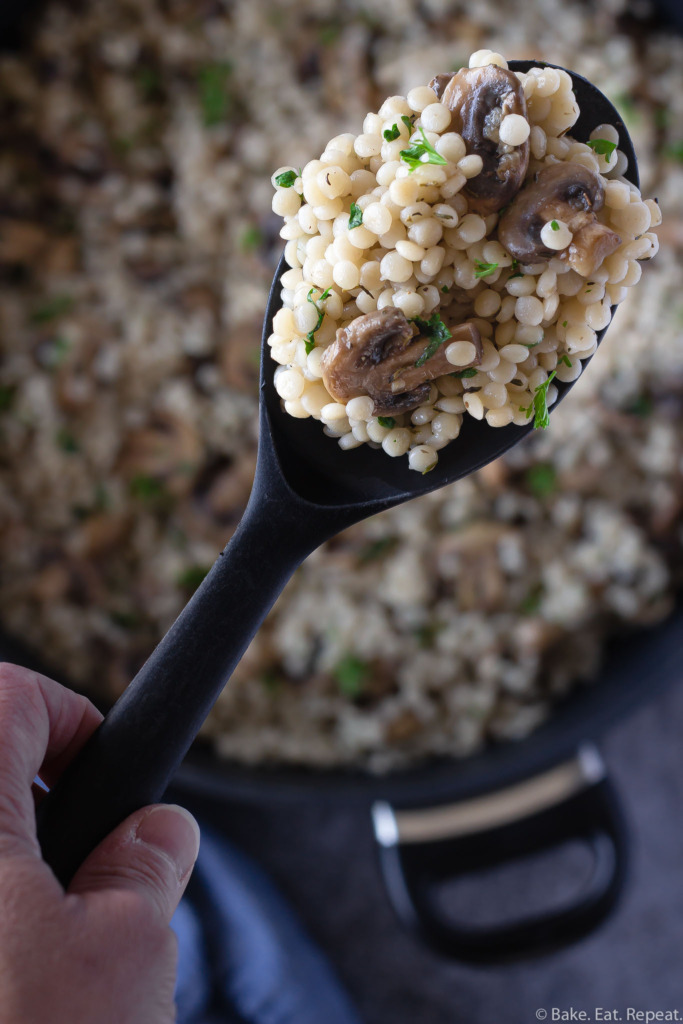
pixel 515 262
pixel 565 322
pixel 214 95
pixel 6 397
pixel 564 358
pixel 641 406
pixel 532 602
pixel 351 675
pixel 541 479
pixel 391 133
pixel 190 578
pixel 386 421
pixel 252 239
pixel 436 330
pixel 286 179
pixel 415 154
pixel 147 488
pixel 513 276
pixel 376 549
pixel 471 371
pixel 554 225
pixel 675 151
pixel 408 121
pixel 539 406
pixel 52 308
pixel 484 269
pixel 310 339
pixel 603 147
pixel 356 218
pixel 445 289
pixel 66 441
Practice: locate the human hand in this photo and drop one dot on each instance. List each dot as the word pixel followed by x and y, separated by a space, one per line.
pixel 103 952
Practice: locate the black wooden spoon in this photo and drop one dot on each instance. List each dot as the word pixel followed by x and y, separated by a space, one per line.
pixel 306 489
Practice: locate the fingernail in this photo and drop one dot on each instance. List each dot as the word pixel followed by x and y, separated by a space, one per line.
pixel 173 830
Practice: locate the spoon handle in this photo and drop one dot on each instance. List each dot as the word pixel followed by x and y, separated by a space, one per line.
pixel 129 760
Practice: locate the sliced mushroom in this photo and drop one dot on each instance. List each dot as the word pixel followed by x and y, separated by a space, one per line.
pixel 439 83
pixel 479 99
pixel 377 355
pixel 563 191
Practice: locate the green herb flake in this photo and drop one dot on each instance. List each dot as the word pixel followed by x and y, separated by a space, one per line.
pixel 386 421
pixel 310 337
pixel 251 239
pixel 532 602
pixel 471 371
pixel 52 309
pixel 513 276
pixel 564 323
pixel 66 441
pixel 356 218
pixel 271 681
pixel 564 358
pixel 190 578
pixel 415 154
pixel 377 549
pixel 675 151
pixel 603 147
pixel 286 179
pixel 390 134
pixel 484 269
pixel 436 330
pixel 541 479
pixel 214 93
pixel 147 488
pixel 515 262
pixel 6 397
pixel 351 675
pixel 408 121
pixel 554 225
pixel 641 406
pixel 445 289
pixel 539 406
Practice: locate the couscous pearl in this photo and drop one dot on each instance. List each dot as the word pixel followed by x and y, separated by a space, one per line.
pixel 422 458
pixel 394 267
pixel 397 441
pixel 360 408
pixel 453 404
pixel 529 310
pixel 404 191
pixel 377 218
pixel 490 358
pixel 430 296
pixel 514 353
pixel 480 58
pixel 547 82
pixel 453 185
pixel 314 362
pixel 314 399
pixel 446 425
pixel 605 131
pixel 487 303
pixel 426 232
pixel 289 385
pixel 348 441
pixel 361 238
pixel 367 145
pixel 517 286
pixel 493 395
pixel 451 146
pixel 410 250
pixel 410 303
pixel 435 117
pixel 555 234
pixel 424 414
pixel 446 214
pixel 420 98
pixel 528 335
pixel 305 318
pixel 461 353
pixel 333 411
pixel 514 130
pixel 633 219
pixel 504 372
pixel 472 228
pixel 346 274
pixel 366 302
pixel 568 373
pixel 470 166
pixel 295 408
pixel 598 315
pixel 474 406
pixel 499 417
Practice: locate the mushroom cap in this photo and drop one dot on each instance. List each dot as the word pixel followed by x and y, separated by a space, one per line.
pixel 565 191
pixel 479 99
pixel 377 355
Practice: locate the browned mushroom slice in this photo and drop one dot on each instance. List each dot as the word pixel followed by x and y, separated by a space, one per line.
pixel 479 99
pixel 563 191
pixel 439 83
pixel 378 354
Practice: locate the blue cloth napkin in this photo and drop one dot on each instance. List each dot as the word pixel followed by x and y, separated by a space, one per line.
pixel 243 958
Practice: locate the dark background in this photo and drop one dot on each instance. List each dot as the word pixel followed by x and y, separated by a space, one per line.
pixel 323 858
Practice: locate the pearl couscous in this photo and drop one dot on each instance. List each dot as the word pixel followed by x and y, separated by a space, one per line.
pixel 397 236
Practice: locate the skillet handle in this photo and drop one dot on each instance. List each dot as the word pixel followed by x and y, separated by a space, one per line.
pixel 423 849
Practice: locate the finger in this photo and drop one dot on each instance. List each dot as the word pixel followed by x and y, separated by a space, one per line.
pixel 152 853
pixel 40 721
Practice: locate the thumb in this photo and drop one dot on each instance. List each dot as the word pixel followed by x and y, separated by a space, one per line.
pixel 151 853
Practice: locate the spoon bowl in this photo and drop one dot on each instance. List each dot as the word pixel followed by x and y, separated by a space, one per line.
pixel 306 490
